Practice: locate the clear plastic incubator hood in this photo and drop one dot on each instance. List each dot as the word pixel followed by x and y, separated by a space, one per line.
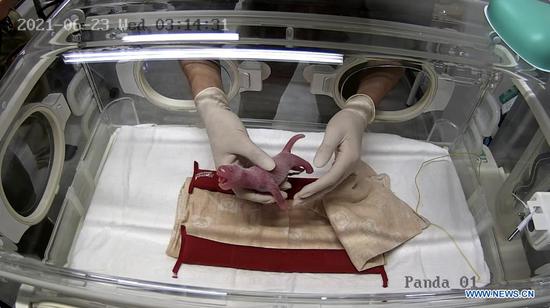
pixel 99 132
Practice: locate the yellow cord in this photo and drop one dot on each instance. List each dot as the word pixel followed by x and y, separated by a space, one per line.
pixel 435 160
pixel 439 159
pixel 425 163
pixel 478 277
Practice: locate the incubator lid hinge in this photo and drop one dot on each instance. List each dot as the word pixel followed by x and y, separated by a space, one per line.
pixel 462 74
pixel 252 74
pixel 321 79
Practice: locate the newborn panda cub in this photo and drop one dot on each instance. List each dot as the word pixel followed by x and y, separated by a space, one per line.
pixel 258 179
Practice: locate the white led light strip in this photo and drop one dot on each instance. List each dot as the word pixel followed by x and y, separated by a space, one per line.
pixel 203 53
pixel 163 37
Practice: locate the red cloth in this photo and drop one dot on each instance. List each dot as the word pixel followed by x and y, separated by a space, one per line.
pixel 200 251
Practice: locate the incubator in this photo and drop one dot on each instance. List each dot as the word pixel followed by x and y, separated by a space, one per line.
pixel 98 132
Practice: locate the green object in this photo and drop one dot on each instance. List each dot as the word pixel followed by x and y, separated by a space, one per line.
pixel 508 95
pixel 524 25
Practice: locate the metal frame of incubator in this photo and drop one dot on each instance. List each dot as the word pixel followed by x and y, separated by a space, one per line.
pixel 468 59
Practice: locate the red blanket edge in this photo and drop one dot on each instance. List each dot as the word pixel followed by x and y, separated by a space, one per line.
pixel 199 251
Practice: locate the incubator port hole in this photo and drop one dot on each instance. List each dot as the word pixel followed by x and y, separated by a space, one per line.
pixel 411 87
pixel 168 80
pixel 26 164
pixel 164 84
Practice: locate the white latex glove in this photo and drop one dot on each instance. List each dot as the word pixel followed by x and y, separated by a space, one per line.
pixel 229 140
pixel 343 137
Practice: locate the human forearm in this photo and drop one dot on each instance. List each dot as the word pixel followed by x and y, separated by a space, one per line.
pixel 344 132
pixel 377 82
pixel 228 137
pixel 201 75
pixel 5 7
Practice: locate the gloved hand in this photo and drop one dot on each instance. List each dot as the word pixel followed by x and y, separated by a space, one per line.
pixel 229 140
pixel 343 137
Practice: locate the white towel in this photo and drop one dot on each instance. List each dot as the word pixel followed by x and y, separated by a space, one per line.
pixel 128 224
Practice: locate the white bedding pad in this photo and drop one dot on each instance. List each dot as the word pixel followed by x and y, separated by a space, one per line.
pixel 128 224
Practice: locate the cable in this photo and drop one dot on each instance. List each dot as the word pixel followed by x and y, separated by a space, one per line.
pixel 520 201
pixel 459 249
pixel 439 159
pixel 540 159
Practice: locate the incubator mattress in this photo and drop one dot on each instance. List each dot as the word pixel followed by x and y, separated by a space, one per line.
pixel 128 224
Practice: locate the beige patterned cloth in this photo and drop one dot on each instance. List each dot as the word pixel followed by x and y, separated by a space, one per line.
pixel 361 216
pixel 368 218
